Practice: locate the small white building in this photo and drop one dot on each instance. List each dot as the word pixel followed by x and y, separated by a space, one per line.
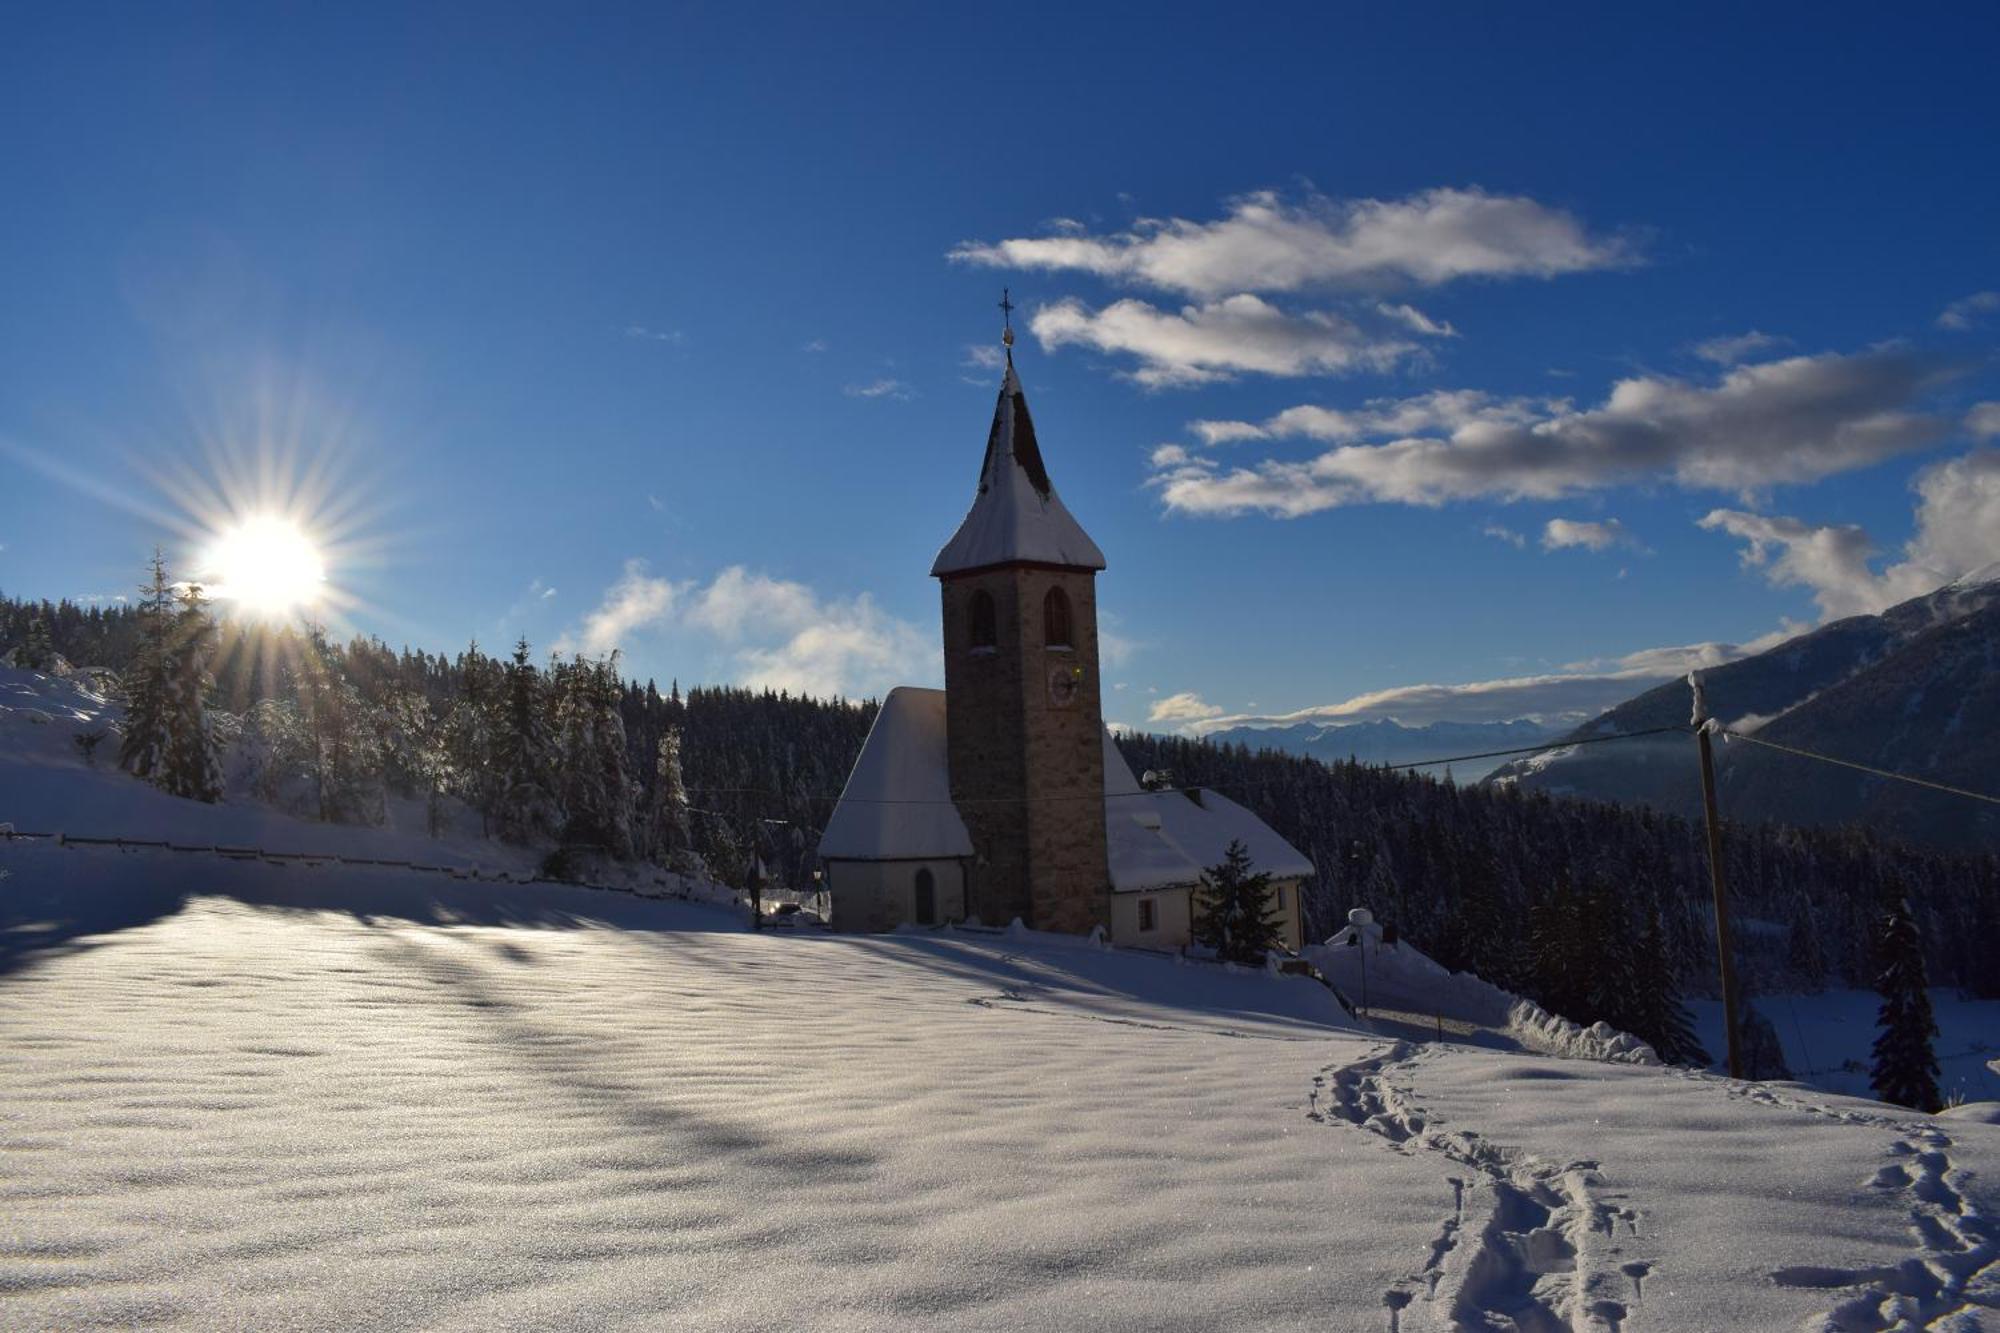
pixel 1002 795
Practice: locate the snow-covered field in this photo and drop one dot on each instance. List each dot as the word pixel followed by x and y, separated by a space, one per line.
pixel 1829 1038
pixel 239 1095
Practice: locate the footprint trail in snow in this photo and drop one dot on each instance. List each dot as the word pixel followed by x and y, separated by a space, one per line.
pixel 1528 1245
pixel 1950 1281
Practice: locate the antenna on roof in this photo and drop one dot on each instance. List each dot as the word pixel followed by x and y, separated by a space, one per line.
pixel 1007 324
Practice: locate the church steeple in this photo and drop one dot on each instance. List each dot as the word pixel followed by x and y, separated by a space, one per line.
pixel 1024 728
pixel 1016 517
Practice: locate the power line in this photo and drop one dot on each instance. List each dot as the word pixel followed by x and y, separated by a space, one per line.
pixel 1864 768
pixel 1208 786
pixel 1536 749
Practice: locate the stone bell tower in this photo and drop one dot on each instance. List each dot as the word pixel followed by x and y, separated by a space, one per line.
pixel 1023 716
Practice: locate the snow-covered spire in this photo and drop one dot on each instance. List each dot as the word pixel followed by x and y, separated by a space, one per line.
pixel 1017 517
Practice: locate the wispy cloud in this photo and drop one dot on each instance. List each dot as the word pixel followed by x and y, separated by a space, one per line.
pixel 1415 320
pixel 1968 312
pixel 1202 344
pixel 1573 693
pixel 1957 531
pixel 635 602
pixel 816 345
pixel 1182 709
pixel 882 388
pixel 1790 421
pixel 1500 532
pixel 1266 242
pixel 1566 533
pixel 775 633
pixel 1730 349
pixel 644 334
pixel 1378 418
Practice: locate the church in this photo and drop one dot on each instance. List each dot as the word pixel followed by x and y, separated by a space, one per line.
pixel 1002 795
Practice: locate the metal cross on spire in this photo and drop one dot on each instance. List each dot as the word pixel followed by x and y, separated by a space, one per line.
pixel 1007 324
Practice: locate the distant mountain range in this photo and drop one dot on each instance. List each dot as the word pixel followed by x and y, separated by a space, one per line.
pixel 1388 742
pixel 1915 689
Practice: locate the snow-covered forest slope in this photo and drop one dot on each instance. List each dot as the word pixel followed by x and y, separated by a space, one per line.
pixel 1915 690
pixel 332 1097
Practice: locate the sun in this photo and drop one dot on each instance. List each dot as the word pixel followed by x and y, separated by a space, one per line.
pixel 266 564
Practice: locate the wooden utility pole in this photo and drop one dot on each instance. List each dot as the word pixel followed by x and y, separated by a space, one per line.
pixel 1724 951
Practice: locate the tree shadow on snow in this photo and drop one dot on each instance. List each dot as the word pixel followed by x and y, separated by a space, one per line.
pixel 58 901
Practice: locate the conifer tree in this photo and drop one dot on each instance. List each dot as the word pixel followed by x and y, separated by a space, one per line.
pixel 148 679
pixel 1660 1019
pixel 1906 1066
pixel 191 765
pixel 669 832
pixel 35 652
pixel 526 807
pixel 1234 915
pixel 472 734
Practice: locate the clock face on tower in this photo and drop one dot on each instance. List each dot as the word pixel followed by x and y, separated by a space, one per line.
pixel 1064 682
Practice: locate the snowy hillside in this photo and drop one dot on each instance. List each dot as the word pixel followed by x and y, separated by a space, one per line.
pixel 48 786
pixel 234 1095
pixel 1385 741
pixel 1906 689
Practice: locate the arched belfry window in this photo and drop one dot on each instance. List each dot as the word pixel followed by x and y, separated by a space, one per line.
pixel 1055 620
pixel 985 625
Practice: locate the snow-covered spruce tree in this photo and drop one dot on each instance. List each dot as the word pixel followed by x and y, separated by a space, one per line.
pixel 419 755
pixel 472 731
pixel 192 763
pixel 1233 910
pixel 526 808
pixel 342 737
pixel 1559 961
pixel 35 652
pixel 1659 1018
pixel 147 678
pixel 669 834
pixel 594 778
pixel 1906 1065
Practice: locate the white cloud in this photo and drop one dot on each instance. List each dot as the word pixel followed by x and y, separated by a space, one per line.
pixel 1381 418
pixel 640 331
pixel 1571 693
pixel 636 601
pixel 1267 243
pixel 1790 421
pixel 1968 312
pixel 1201 344
pixel 1728 350
pixel 775 633
pixel 882 388
pixel 1957 531
pixel 1181 709
pixel 1501 532
pixel 984 356
pixel 1983 421
pixel 1564 533
pixel 1578 691
pixel 1415 320
pixel 816 345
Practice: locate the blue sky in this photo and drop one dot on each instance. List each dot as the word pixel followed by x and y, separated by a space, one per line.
pixel 669 329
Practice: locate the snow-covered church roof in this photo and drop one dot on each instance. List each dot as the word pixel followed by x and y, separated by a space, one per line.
pixel 897 802
pixel 897 806
pixel 1017 515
